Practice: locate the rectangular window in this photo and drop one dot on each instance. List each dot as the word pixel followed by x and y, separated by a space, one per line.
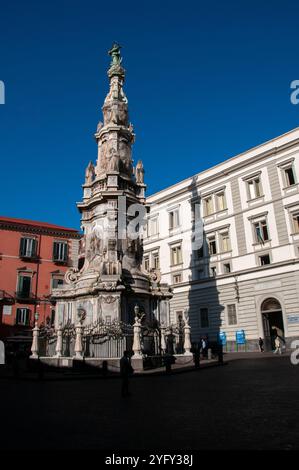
pixel 213 271
pixel 28 247
pixel 232 314
pixel 225 241
pixel 204 318
pixel 254 188
pixel 226 268
pixel 290 176
pixel 208 206
pixel 176 255
pixel 264 259
pixel 295 218
pixel 146 263
pixel 154 227
pixel 24 286
pixel 174 219
pixel 212 245
pixel 57 282
pixel 60 252
pixel 156 261
pixel 177 278
pixel 220 201
pixel 261 231
pixel 23 316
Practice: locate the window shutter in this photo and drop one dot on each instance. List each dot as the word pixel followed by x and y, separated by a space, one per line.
pixel 34 248
pixel 22 246
pixel 27 317
pixel 65 251
pixel 55 250
pixel 18 316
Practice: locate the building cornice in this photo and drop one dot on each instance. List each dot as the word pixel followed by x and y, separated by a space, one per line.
pixel 188 184
pixel 19 227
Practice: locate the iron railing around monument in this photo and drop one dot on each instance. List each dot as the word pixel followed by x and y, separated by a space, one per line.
pixel 99 340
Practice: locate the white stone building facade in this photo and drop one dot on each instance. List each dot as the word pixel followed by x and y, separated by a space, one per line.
pixel 246 275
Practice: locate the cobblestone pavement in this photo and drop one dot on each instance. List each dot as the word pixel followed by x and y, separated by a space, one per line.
pixel 250 403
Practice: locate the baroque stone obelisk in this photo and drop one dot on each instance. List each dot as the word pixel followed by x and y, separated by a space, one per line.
pixel 110 280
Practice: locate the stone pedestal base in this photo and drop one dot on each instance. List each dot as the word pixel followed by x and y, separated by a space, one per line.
pixel 137 363
pixel 183 358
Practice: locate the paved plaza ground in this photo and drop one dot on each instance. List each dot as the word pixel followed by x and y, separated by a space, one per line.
pixel 250 403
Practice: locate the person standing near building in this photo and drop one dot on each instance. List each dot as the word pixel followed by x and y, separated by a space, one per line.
pixel 277 345
pixel 125 371
pixel 261 344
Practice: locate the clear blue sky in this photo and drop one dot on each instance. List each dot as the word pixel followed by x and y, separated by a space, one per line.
pixel 205 81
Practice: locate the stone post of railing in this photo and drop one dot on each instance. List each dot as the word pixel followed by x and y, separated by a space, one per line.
pixel 187 337
pixel 34 347
pixel 78 342
pixel 59 344
pixel 137 358
pixel 136 341
pixel 163 342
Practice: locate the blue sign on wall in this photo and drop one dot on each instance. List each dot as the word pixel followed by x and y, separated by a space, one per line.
pixel 240 337
pixel 222 338
pixel 291 318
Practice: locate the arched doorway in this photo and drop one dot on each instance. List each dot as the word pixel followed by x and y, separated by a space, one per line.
pixel 272 321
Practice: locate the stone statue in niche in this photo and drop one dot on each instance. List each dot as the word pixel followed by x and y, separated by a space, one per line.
pixel 125 156
pixel 89 173
pixel 131 258
pixel 113 160
pixel 107 114
pixel 139 172
pixel 114 115
pixel 122 114
pixel 93 252
pixel 103 148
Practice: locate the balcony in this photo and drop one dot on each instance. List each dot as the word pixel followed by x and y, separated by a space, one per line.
pixel 25 297
pixel 60 261
pixel 5 297
pixel 29 256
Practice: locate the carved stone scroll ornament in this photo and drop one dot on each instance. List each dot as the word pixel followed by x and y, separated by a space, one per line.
pixel 155 277
pixel 72 275
pixel 109 299
pixel 108 285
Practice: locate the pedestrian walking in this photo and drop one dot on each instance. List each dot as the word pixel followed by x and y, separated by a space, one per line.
pixel 126 370
pixel 261 344
pixel 277 344
pixel 203 348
